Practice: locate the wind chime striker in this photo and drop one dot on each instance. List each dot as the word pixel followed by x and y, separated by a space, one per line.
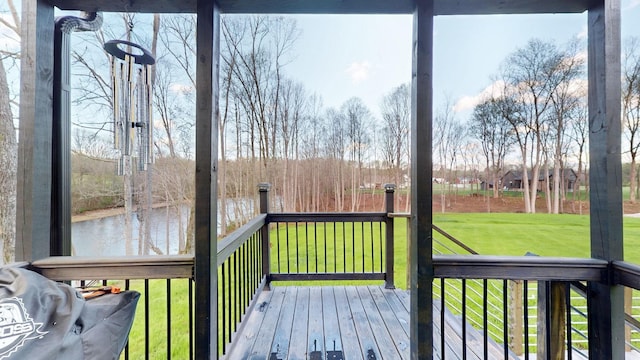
pixel 132 113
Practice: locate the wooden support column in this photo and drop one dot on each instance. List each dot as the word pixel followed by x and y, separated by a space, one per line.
pixel 421 174
pixel 605 301
pixel 33 229
pixel 206 274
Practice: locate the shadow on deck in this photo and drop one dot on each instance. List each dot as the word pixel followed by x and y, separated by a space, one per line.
pixel 351 322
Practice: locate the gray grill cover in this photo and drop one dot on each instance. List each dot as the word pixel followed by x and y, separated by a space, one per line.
pixel 43 319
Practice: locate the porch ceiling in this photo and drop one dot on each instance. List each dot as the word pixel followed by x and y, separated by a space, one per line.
pixel 441 7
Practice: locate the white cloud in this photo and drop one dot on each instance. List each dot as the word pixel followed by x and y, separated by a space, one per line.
pixel 584 31
pixel 359 71
pixel 633 4
pixel 469 102
pixel 181 88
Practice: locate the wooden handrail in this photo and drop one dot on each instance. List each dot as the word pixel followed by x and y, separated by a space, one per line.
pixel 626 274
pixel 233 241
pixel 64 268
pixel 519 268
pixel 327 217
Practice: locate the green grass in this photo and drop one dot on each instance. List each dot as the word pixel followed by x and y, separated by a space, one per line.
pixel 489 234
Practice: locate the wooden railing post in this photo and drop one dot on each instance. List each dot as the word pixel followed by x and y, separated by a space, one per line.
pixel 389 190
pixel 516 321
pixel 264 233
pixel 628 308
pixel 552 310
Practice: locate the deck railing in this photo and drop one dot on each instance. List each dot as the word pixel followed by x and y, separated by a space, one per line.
pixel 163 326
pixel 240 278
pixel 333 246
pixel 285 247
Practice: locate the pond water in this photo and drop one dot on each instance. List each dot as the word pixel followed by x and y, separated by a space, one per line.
pixel 106 236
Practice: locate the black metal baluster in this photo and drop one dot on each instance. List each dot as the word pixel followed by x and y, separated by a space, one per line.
pixel 485 321
pixel 288 255
pixel 126 347
pixel 324 237
pixel 505 316
pixel 243 279
pixel 525 292
pixel 229 297
pixel 297 240
pixel 278 245
pixel 362 241
pixel 382 230
pixel 568 305
pixel 223 310
pixel 353 247
pixel 315 248
pixel 191 319
pixel 442 322
pixel 146 318
pixel 169 319
pixel 464 319
pixel 373 251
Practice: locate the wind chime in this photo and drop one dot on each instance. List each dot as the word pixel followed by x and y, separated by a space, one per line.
pixel 131 87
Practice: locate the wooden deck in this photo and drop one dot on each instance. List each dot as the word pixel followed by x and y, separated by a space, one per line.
pixel 352 322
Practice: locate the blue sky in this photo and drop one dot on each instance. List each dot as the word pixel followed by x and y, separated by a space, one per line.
pixel 366 56
pixel 339 57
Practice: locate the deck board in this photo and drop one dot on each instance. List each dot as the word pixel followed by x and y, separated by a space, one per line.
pixel 400 336
pixel 332 338
pixel 298 344
pixel 348 322
pixel 262 345
pixel 347 327
pixel 282 335
pixel 315 343
pixel 368 344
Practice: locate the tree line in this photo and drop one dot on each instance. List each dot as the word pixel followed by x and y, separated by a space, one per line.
pixel 274 129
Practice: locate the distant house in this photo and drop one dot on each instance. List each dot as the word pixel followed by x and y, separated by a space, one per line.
pixel 484 185
pixel 512 179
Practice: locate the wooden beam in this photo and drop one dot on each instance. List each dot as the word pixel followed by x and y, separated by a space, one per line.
pixel 441 7
pixel 206 179
pixel 605 301
pixel 421 175
pixel 519 268
pixel 35 174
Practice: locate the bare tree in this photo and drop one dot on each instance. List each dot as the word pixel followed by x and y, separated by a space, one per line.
pixel 336 143
pixel 631 108
pixel 579 135
pixel 396 118
pixel 8 163
pixel 446 141
pixel 566 102
pixel 530 75
pixel 8 144
pixel 496 137
pixel 357 117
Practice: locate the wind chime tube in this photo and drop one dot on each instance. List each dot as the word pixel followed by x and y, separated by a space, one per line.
pixel 141 124
pixel 148 94
pixel 116 103
pixel 131 115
